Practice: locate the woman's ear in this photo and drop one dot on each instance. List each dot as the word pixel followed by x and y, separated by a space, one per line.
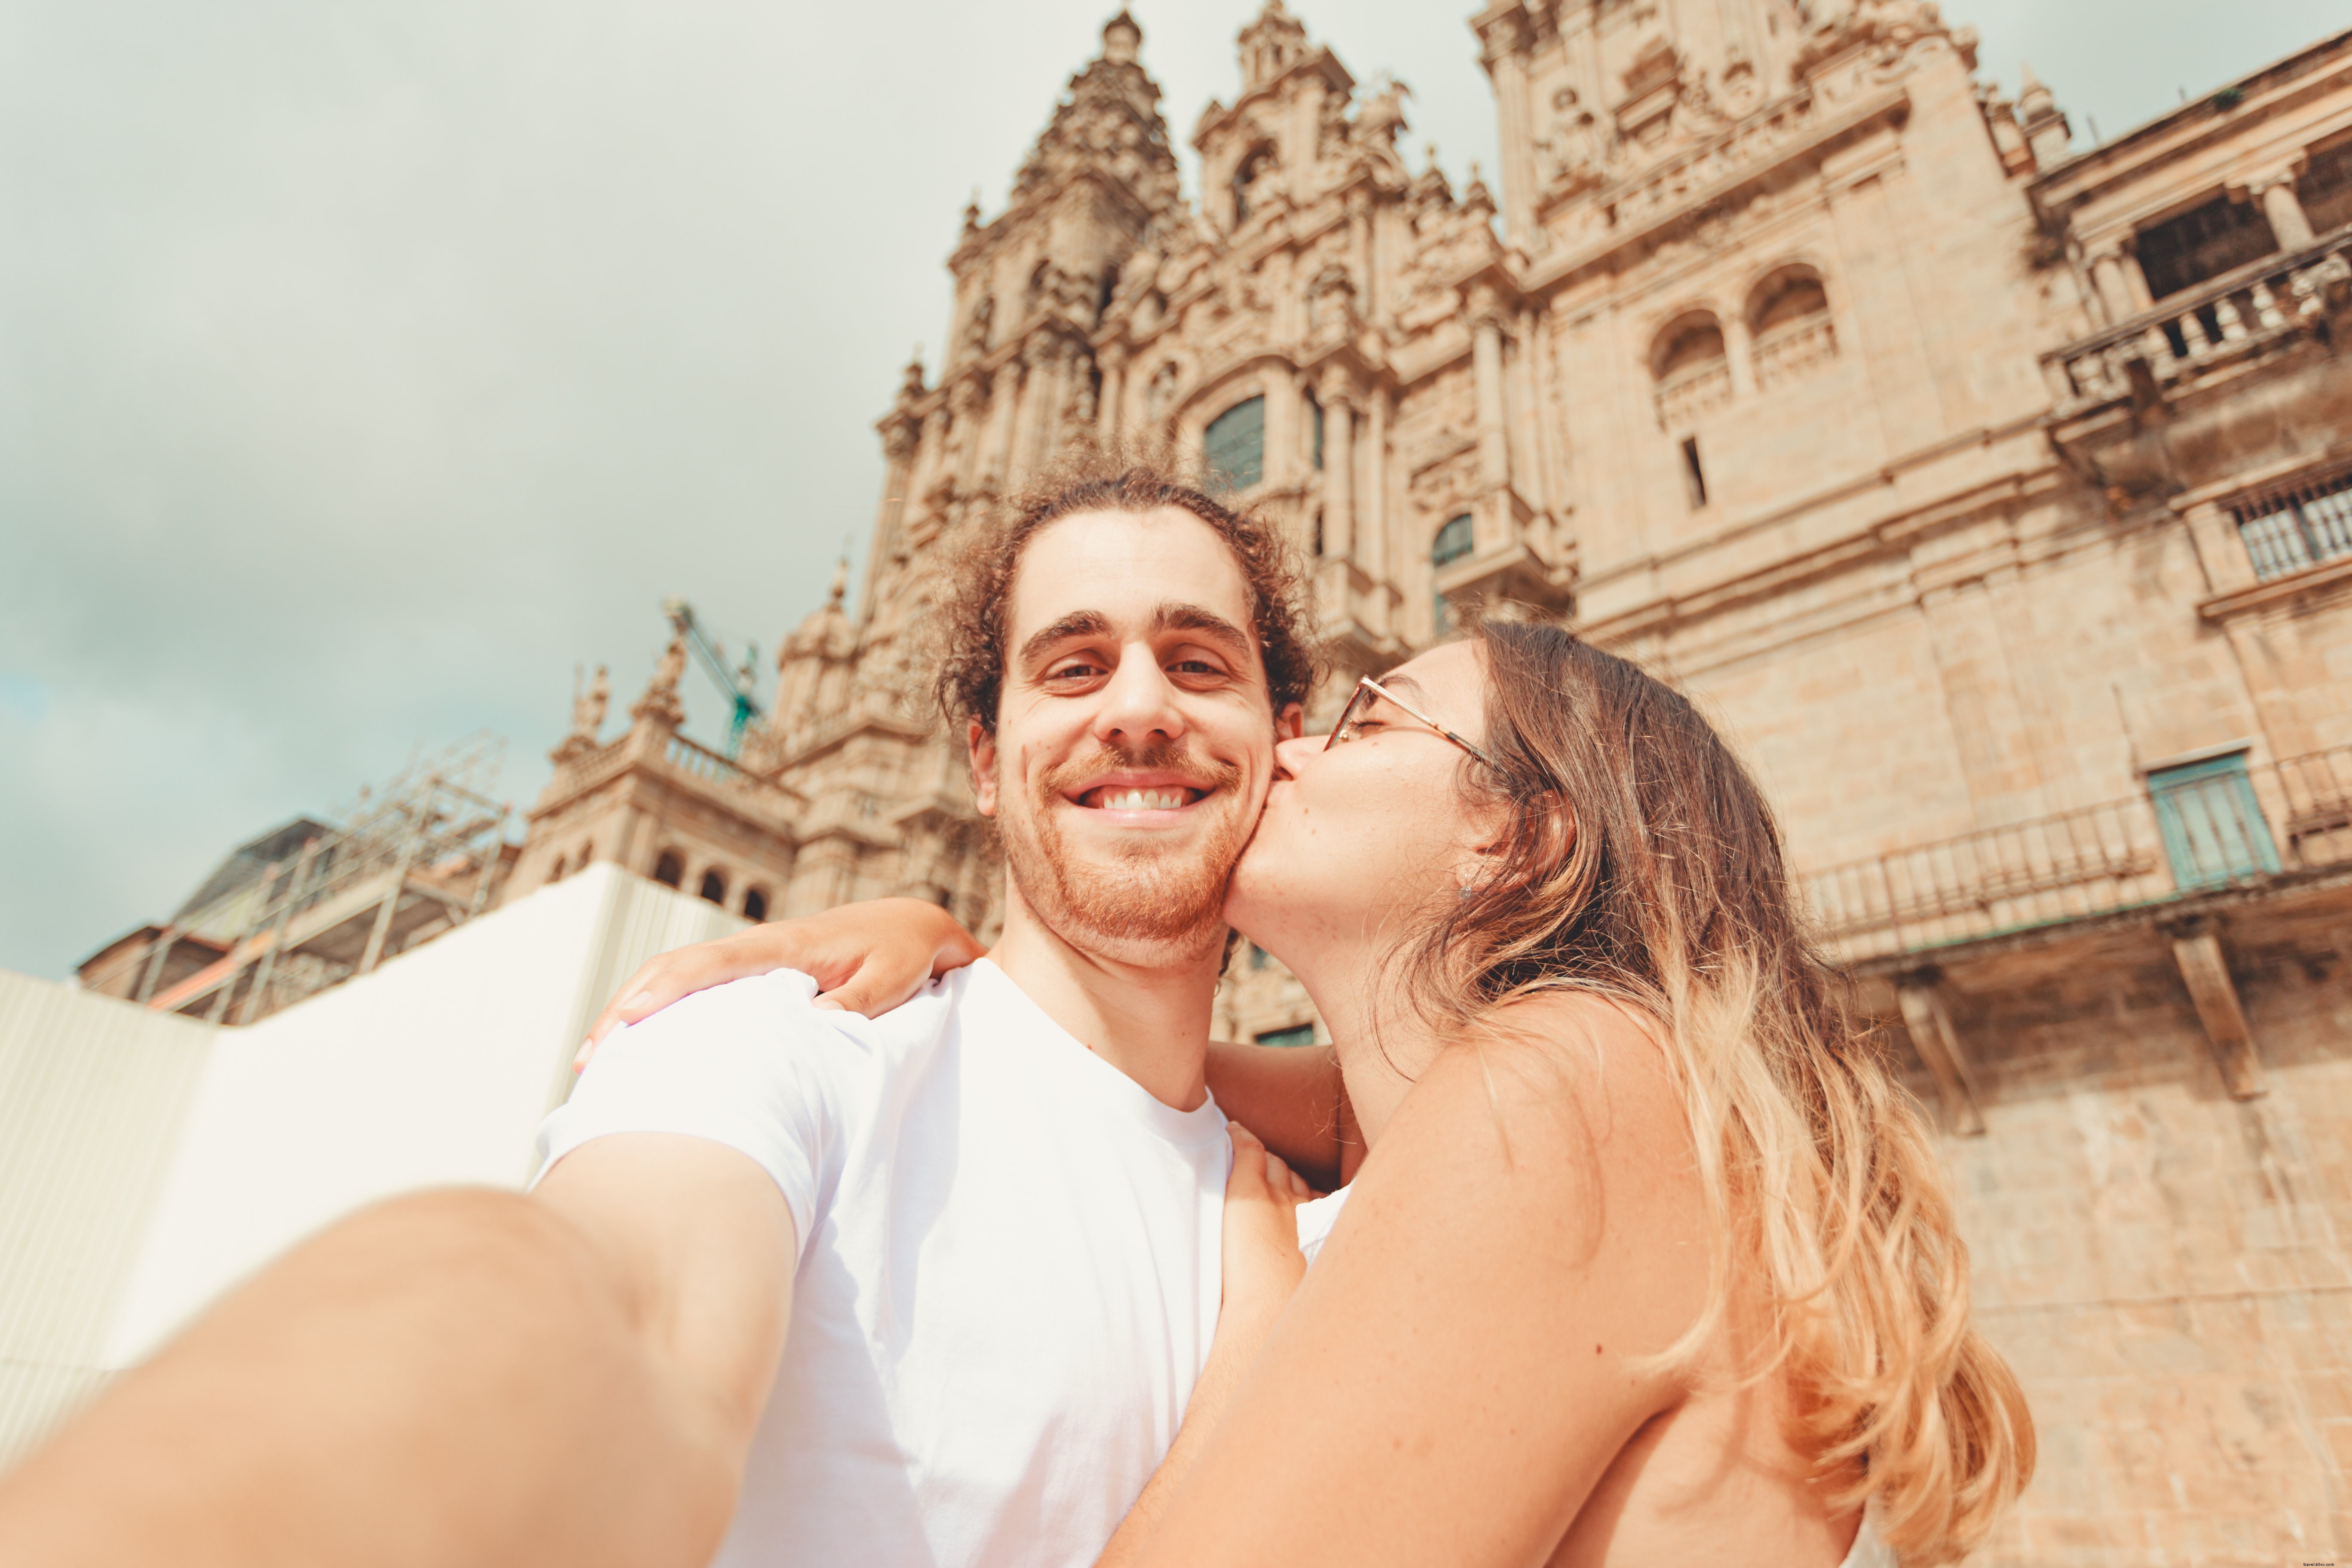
pixel 1549 821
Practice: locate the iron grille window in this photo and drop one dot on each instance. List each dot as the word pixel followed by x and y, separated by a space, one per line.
pixel 1236 440
pixel 2212 827
pixel 2287 531
pixel 1298 1035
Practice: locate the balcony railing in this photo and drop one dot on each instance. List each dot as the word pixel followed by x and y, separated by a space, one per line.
pixel 2210 322
pixel 1687 395
pixel 2227 827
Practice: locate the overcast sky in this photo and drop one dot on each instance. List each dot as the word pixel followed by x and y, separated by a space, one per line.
pixel 366 363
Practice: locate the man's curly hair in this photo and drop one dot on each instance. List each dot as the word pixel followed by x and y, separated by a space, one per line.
pixel 976 624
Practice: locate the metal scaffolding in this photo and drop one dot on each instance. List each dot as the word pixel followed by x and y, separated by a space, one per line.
pixel 418 859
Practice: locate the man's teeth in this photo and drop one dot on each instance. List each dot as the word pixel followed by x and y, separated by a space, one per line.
pixel 1141 799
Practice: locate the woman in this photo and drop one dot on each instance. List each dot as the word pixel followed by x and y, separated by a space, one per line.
pixel 1648 1257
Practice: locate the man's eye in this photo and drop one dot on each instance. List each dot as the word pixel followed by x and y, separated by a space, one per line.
pixel 1074 673
pixel 1195 667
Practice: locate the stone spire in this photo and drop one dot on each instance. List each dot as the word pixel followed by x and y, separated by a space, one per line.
pixel 1108 124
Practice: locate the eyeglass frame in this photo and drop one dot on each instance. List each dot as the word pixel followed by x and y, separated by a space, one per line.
pixel 1365 683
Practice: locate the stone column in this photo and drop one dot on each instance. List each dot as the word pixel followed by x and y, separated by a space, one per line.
pixel 898 446
pixel 1519 394
pixel 967 439
pixel 1359 247
pixel 1372 547
pixel 1108 410
pixel 2115 294
pixel 1004 402
pixel 1509 69
pixel 1285 401
pixel 2283 208
pixel 1739 354
pixel 1338 465
pixel 1486 368
pixel 2220 548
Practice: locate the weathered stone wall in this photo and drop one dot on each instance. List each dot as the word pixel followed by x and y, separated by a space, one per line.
pixel 2169 1269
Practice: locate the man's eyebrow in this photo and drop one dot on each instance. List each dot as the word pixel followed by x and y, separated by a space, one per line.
pixel 1076 623
pixel 1208 623
pixel 1409 686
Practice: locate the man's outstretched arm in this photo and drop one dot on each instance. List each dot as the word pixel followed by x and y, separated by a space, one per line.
pixel 450 1379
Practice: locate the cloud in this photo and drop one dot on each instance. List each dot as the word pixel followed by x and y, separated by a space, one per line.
pixel 363 367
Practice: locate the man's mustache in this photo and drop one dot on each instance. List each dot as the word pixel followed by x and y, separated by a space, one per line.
pixel 1207 774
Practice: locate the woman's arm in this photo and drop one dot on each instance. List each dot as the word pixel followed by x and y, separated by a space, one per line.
pixel 1262 1266
pixel 869 957
pixel 1457 1370
pixel 865 957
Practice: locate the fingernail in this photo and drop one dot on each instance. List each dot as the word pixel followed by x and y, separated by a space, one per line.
pixel 829 1005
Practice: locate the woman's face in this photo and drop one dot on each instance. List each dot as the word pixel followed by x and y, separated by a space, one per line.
pixel 1360 840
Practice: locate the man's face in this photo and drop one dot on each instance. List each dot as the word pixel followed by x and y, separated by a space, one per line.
pixel 1135 738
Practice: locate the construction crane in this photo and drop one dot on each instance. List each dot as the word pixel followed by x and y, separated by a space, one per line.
pixel 737 683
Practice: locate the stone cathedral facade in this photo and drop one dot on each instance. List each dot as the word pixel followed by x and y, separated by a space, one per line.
pixel 1992 491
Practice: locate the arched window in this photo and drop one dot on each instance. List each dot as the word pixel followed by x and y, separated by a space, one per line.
pixel 755 904
pixel 669 870
pixel 714 886
pixel 1248 172
pixel 555 872
pixel 1693 375
pixel 1236 440
pixel 1789 316
pixel 1692 342
pixel 1453 542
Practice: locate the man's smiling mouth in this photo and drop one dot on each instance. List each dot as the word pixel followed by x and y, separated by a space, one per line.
pixel 1129 797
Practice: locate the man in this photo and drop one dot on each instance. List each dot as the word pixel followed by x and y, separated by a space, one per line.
pixel 943 1280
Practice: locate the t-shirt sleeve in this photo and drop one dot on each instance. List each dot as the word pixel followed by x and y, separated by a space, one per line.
pixel 751 1065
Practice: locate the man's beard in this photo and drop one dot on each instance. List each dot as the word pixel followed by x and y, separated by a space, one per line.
pixel 1172 899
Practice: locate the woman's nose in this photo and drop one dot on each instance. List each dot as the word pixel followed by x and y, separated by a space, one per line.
pixel 1289 756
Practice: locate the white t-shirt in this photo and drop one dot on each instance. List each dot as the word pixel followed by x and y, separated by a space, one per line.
pixel 1316 1217
pixel 1009 1269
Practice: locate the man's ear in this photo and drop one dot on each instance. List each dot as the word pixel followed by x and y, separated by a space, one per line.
pixel 1290 724
pixel 981 746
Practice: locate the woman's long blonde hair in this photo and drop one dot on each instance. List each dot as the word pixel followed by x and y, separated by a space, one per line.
pixel 1643 865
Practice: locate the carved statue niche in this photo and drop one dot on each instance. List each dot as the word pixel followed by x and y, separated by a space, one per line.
pixel 1160 396
pixel 974 341
pixel 1574 152
pixel 1331 301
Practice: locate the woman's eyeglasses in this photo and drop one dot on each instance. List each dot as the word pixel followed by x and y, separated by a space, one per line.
pixel 1367 689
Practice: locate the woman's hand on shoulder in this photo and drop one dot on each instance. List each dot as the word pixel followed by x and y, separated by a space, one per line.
pixel 865 958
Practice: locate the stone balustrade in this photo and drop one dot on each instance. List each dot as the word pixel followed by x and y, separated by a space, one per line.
pixel 2219 321
pixel 1687 396
pixel 2289 816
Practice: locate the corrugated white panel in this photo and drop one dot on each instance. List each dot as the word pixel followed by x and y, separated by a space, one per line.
pixel 93 1093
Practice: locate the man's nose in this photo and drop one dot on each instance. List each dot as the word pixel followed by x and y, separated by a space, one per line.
pixel 1138 703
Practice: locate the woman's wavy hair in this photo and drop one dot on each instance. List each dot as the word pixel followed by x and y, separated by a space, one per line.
pixel 1642 864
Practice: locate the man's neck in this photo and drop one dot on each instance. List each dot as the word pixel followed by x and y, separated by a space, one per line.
pixel 1147 1018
